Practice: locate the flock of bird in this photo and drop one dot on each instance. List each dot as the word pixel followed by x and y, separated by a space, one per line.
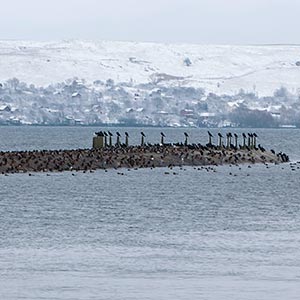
pixel 145 155
pixel 249 142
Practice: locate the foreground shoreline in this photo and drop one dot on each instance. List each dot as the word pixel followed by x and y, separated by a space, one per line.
pixel 132 157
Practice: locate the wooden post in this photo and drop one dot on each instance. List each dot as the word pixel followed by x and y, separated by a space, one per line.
pixel 235 140
pixel 118 139
pixel 209 138
pixel 220 140
pixel 227 141
pixel 105 139
pixel 244 140
pixel 98 140
pixel 110 138
pixel 249 140
pixel 255 137
pixel 230 136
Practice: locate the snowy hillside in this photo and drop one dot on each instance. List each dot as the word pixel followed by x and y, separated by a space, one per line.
pixel 89 83
pixel 218 69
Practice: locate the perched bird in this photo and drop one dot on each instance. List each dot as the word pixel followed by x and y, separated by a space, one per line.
pixel 220 139
pixel 100 133
pixel 110 138
pixel 209 139
pixel 143 138
pixel 235 141
pixel 126 139
pixel 186 139
pixel 162 138
pixel 118 138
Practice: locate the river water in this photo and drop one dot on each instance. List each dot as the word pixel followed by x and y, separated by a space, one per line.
pixel 229 234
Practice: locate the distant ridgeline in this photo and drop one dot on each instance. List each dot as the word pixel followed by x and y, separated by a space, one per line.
pixel 74 102
pixel 107 154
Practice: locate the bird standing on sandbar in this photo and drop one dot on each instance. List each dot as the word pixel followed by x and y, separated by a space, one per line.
pixel 118 139
pixel 142 139
pixel 186 139
pixel 162 138
pixel 210 136
pixel 220 140
pixel 126 139
pixel 110 138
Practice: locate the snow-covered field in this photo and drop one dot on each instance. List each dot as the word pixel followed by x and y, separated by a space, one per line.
pixel 216 68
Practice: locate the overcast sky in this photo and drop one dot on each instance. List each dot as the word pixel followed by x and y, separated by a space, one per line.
pixel 193 21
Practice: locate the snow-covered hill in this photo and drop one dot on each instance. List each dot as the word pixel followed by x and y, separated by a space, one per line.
pixel 218 69
pixel 79 82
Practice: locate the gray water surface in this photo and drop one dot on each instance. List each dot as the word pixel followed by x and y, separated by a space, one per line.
pixel 148 235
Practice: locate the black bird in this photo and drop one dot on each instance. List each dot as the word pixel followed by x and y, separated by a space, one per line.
pixel 162 138
pixel 209 139
pixel 186 139
pixel 229 136
pixel 126 139
pixel 143 139
pixel 254 139
pixel 249 140
pixel 105 138
pixel 118 138
pixel 244 140
pixel 235 140
pixel 100 133
pixel 220 139
pixel 110 138
pixel 262 149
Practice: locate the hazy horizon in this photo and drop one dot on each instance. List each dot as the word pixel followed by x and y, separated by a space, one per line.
pixel 194 22
pixel 147 42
